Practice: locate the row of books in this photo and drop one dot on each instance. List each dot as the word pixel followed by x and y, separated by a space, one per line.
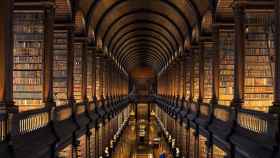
pixel 27 45
pixel 27 81
pixel 60 83
pixel 29 37
pixel 29 95
pixel 258 44
pixel 27 74
pixel 259 82
pixel 27 59
pixel 225 91
pixel 27 66
pixel 258 96
pixel 26 89
pixel 262 89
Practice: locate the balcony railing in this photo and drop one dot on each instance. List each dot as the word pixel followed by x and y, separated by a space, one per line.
pixel 204 109
pixel 263 124
pixel 29 121
pixel 222 113
pixel 259 128
pixel 3 127
pixel 63 112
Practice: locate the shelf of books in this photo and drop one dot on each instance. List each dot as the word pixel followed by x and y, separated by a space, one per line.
pixel 182 79
pixel 102 77
pixel 100 139
pixel 192 143
pixel 105 79
pixel 184 141
pixel 28 53
pixel 60 62
pixel 97 81
pixel 92 143
pixel 196 75
pixel 177 79
pixel 226 66
pixel 89 74
pixel 259 66
pixel 77 73
pixel 218 152
pixel 66 152
pixel 202 146
pixel 81 152
pixel 208 67
pixel 188 69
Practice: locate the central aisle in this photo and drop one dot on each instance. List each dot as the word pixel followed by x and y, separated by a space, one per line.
pixel 138 141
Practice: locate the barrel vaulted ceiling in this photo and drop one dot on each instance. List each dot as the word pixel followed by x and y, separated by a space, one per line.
pixel 143 32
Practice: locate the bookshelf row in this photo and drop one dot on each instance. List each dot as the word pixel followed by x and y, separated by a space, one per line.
pixel 28 32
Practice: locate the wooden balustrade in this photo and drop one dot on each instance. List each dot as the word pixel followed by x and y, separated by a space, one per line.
pixel 90 106
pixel 193 107
pixel 3 126
pixel 29 121
pixel 204 109
pixel 80 108
pixel 258 122
pixel 63 113
pixel 222 113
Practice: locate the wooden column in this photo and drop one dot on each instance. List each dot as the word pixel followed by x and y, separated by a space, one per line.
pixel 48 58
pixel 276 103
pixel 239 65
pixel 215 70
pixel 6 55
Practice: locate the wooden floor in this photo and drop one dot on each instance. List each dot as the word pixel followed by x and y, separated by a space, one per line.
pixel 129 146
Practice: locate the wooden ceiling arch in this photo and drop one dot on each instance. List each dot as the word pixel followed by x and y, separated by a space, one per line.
pixel 160 27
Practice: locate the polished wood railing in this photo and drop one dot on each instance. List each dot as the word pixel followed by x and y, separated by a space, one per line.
pixel 222 113
pixel 265 125
pixel 257 127
pixel 63 112
pixel 29 121
pixel 204 109
pixel 3 126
